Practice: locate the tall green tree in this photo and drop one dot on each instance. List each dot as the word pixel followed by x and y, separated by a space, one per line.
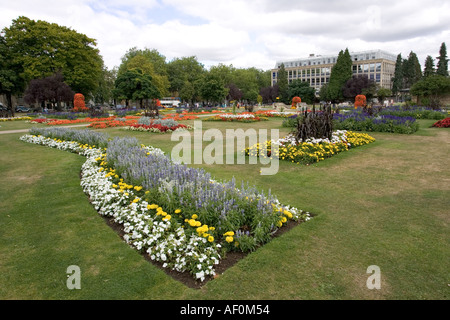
pixel 340 74
pixel 412 70
pixel 442 65
pixel 283 84
pixel 44 48
pixel 429 67
pixel 398 79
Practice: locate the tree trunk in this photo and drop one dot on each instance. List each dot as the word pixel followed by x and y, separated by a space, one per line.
pixel 9 103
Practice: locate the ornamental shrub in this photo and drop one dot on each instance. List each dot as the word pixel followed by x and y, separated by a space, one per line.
pixel 78 103
pixel 360 101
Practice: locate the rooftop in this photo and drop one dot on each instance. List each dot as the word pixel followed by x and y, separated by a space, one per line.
pixel 331 59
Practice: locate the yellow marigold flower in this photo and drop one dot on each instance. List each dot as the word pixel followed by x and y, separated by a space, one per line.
pixel 126 194
pixel 283 219
pixel 177 211
pixel 167 217
pixel 229 239
pixel 229 233
pixel 152 206
pixel 194 216
pixel 210 238
pixel 288 214
pixel 136 200
pixel 192 222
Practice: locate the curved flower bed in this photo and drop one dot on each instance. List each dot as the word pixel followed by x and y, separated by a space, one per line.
pixel 178 215
pixel 312 150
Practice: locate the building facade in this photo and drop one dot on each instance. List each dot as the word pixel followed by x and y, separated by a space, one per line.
pixel 378 65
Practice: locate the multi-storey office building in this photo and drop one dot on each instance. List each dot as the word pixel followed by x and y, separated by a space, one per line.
pixel 378 65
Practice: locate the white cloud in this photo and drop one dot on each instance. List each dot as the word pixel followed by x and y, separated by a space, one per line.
pixel 245 33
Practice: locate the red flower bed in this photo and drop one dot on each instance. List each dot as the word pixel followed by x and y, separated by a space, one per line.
pixel 444 123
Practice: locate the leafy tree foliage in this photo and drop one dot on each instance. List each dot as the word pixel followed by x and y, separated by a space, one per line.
pixel 269 93
pixel 184 71
pixel 10 81
pixel 44 48
pixel 432 88
pixel 52 89
pixel 212 88
pixel 134 84
pixel 301 89
pixel 104 92
pixel 150 62
pixel 357 85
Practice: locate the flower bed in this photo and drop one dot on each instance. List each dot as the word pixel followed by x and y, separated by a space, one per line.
pixel 274 113
pixel 52 122
pixel 180 117
pixel 358 121
pixel 158 128
pixel 178 215
pixel 312 150
pixel 240 117
pixel 444 123
pixel 416 112
pixel 15 119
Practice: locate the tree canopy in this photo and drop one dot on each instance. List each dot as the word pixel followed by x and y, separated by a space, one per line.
pixel 44 48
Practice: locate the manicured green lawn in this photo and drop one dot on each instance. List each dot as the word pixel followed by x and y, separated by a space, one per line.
pixel 383 204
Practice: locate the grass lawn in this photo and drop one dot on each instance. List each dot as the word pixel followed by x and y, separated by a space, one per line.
pixel 383 204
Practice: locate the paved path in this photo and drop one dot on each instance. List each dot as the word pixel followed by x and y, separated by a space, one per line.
pixel 26 130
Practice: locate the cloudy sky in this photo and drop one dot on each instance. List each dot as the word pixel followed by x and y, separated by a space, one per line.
pixel 246 33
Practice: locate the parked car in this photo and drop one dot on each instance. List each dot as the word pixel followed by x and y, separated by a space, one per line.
pixel 22 109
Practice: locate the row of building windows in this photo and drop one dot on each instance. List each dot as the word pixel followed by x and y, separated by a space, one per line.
pixel 326 60
pixel 362 68
pixel 318 81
